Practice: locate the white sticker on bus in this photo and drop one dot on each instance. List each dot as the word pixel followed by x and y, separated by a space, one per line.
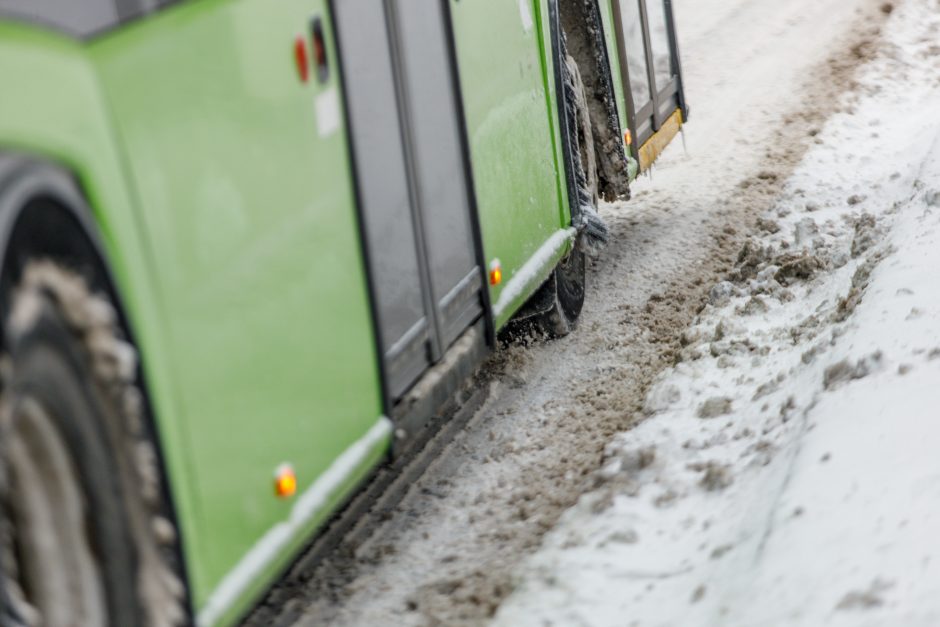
pixel 326 109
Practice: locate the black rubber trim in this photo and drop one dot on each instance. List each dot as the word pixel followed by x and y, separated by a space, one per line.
pixel 674 46
pixel 490 323
pixel 571 177
pixel 360 216
pixel 26 178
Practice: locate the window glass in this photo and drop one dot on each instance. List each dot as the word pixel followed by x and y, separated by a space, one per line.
pixel 74 17
pixel 635 51
pixel 659 39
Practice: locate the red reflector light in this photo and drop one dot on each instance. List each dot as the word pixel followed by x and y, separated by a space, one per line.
pixel 301 59
pixel 319 50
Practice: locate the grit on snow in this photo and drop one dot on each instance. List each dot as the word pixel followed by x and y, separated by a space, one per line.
pixel 463 542
pixel 788 470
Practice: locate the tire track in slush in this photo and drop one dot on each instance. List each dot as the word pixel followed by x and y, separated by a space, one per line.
pixel 445 551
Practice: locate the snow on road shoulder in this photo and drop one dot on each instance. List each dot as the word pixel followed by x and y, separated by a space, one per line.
pixel 788 472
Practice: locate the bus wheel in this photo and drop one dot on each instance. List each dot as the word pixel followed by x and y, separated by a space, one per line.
pixel 85 535
pixel 564 291
pixel 567 282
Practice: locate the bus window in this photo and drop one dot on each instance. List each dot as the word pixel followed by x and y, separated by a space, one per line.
pixel 659 42
pixel 636 53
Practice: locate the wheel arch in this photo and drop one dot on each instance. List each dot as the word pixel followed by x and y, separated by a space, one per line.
pixel 582 26
pixel 44 214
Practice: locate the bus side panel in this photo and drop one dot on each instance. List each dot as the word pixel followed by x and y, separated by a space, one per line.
pixel 243 178
pixel 607 17
pixel 52 108
pixel 512 138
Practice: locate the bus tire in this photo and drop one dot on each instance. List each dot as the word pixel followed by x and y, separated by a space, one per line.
pixel 568 280
pixel 85 536
pixel 567 284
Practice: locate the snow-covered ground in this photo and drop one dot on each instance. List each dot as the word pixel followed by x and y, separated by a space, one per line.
pixel 788 469
pixel 762 77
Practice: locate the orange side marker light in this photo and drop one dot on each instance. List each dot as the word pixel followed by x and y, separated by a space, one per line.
pixel 285 481
pixel 627 137
pixel 496 272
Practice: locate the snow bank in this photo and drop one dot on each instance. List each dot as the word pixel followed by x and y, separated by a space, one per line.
pixel 789 469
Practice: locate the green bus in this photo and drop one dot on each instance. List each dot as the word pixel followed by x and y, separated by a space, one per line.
pixel 249 248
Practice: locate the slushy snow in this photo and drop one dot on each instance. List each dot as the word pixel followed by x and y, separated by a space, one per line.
pixel 788 470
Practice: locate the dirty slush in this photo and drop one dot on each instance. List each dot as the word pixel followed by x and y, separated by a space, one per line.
pixel 447 553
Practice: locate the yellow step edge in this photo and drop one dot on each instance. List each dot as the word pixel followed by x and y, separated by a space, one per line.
pixel 655 145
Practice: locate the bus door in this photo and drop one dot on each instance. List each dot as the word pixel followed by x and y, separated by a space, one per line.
pixel 651 75
pixel 413 185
